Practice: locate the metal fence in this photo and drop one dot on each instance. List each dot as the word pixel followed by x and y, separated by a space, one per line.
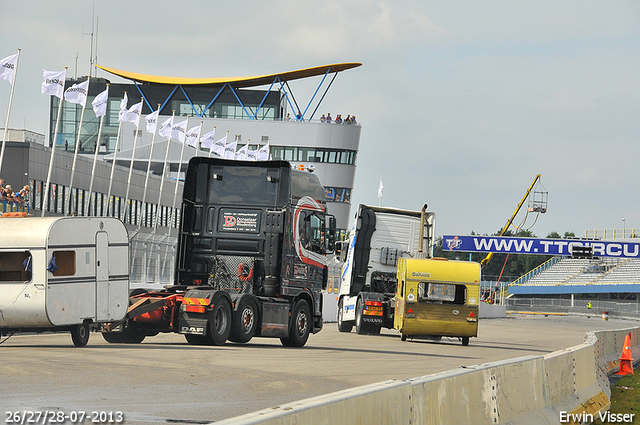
pixel 576 305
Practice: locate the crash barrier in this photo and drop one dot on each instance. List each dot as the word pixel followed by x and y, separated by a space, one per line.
pixel 526 390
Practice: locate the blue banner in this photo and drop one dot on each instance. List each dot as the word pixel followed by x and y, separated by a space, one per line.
pixel 497 244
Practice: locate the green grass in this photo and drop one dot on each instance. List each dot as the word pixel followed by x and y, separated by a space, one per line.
pixel 625 398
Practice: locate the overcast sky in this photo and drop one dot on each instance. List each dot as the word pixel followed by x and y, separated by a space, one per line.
pixel 461 103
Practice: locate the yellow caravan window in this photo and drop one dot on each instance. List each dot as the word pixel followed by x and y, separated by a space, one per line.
pixel 65 263
pixel 15 266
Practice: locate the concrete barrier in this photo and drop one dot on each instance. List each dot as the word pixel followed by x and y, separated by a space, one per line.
pixel 491 311
pixel 531 390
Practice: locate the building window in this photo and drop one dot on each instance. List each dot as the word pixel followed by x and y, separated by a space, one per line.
pixel 338 194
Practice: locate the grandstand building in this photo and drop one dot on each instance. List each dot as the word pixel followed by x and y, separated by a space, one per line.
pixel 231 106
pixel 597 284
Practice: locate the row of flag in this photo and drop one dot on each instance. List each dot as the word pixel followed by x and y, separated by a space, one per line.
pixel 53 84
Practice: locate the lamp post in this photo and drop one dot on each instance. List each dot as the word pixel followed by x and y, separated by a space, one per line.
pixel 624 228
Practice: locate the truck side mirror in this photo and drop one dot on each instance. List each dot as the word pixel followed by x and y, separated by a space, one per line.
pixel 330 232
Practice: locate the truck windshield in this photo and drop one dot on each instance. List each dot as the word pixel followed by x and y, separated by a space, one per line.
pixel 238 185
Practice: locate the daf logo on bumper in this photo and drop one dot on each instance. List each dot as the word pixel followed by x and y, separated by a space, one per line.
pixel 455 312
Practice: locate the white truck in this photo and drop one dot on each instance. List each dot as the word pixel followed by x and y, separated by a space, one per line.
pixel 377 238
pixel 62 274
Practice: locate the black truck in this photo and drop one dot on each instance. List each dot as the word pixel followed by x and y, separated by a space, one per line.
pixel 251 258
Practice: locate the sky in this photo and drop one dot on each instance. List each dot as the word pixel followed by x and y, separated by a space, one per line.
pixel 461 103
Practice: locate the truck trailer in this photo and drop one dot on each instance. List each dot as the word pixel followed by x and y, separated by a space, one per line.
pixel 251 258
pixel 62 274
pixel 389 279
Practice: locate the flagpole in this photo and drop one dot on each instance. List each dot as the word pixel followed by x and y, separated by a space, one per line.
pixel 146 180
pixel 211 146
pixel 6 125
pixel 93 169
pixel 133 157
pixel 175 189
pixel 113 168
pixel 164 167
pixel 53 150
pixel 77 147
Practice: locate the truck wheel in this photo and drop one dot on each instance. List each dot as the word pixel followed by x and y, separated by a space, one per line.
pixel 403 337
pixel 465 341
pixel 198 339
pixel 245 321
pixel 361 327
pixel 220 321
pixel 299 327
pixel 342 325
pixel 132 334
pixel 113 337
pixel 80 334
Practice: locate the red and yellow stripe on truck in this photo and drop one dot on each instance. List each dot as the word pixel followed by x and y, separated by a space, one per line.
pixel 195 305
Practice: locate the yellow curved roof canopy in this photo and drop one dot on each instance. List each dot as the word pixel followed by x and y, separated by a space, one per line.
pixel 235 81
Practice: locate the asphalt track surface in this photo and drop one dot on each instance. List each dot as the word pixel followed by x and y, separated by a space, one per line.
pixel 165 380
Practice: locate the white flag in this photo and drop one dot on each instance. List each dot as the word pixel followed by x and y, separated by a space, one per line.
pixel 133 114
pixel 8 68
pixel 230 150
pixel 99 104
pixel 219 146
pixel 207 139
pixel 123 108
pixel 152 122
pixel 192 136
pixel 165 128
pixel 77 93
pixel 178 130
pixel 252 155
pixel 53 83
pixel 380 187
pixel 241 154
pixel 263 153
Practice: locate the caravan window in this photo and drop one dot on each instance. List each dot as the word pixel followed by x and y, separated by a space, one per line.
pixel 15 266
pixel 65 263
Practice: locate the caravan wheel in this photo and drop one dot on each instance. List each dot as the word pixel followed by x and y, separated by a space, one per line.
pixel 80 334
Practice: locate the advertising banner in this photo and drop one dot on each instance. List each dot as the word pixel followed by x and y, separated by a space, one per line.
pixel 514 245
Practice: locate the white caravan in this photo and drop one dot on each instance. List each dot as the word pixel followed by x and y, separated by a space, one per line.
pixel 62 274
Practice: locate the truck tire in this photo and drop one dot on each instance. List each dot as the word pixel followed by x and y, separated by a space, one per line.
pixel 130 334
pixel 299 326
pixel 198 339
pixel 80 334
pixel 465 341
pixel 113 337
pixel 361 327
pixel 342 325
pixel 245 320
pixel 220 321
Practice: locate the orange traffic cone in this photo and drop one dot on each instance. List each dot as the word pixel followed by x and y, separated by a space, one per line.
pixel 626 362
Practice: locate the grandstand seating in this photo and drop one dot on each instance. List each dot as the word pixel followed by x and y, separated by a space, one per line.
pixel 573 271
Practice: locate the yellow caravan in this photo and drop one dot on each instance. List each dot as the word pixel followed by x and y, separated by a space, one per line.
pixel 437 297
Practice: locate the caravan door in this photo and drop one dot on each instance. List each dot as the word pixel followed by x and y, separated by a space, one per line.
pixel 102 277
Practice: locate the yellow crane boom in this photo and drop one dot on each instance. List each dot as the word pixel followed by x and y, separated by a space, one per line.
pixel 486 259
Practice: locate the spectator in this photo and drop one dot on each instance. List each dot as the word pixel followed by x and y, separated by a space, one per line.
pixel 323 118
pixel 8 194
pixel 353 120
pixel 328 118
pixel 348 119
pixel 339 119
pixel 23 195
pixel 288 117
pixel 299 116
